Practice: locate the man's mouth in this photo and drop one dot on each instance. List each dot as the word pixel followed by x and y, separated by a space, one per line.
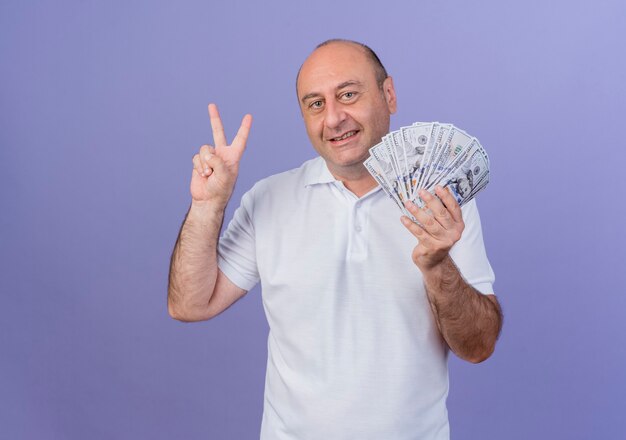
pixel 344 136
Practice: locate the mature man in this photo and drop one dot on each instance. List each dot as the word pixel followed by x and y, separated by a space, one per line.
pixel 361 314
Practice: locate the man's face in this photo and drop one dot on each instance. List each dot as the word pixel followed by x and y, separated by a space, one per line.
pixel 344 109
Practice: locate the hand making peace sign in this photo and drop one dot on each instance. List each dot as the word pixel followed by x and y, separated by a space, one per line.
pixel 215 168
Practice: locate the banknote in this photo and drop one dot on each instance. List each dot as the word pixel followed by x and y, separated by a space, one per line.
pixel 466 177
pixel 415 139
pixel 456 159
pixel 374 168
pixel 398 161
pixel 455 144
pixel 439 138
pixel 427 154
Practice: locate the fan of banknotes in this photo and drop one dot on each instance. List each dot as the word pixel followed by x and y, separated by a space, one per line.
pixel 427 154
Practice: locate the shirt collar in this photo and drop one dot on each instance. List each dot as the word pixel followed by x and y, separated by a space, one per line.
pixel 318 172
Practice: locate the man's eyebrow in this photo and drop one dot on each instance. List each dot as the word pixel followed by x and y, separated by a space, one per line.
pixel 349 83
pixel 309 96
pixel 343 85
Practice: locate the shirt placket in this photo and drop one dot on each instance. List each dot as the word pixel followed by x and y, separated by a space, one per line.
pixel 357 225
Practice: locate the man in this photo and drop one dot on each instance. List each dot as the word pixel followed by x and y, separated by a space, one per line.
pixel 359 332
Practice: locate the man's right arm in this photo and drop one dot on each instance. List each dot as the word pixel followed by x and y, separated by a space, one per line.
pixel 198 290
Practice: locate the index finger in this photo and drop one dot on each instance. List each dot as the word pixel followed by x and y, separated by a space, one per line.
pixel 451 204
pixel 219 138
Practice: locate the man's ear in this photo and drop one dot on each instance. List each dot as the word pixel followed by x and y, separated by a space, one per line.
pixel 390 95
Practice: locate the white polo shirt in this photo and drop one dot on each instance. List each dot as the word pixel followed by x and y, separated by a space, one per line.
pixel 353 348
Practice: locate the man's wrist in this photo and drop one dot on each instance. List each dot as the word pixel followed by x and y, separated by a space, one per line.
pixel 206 211
pixel 432 270
pixel 442 277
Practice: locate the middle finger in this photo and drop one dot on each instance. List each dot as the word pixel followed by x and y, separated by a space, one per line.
pixel 425 219
pixel 439 211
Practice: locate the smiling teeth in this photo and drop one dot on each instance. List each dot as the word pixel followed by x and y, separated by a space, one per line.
pixel 347 135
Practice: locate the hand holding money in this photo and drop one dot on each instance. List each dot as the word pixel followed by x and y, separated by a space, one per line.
pixel 430 170
pixel 439 226
pixel 215 168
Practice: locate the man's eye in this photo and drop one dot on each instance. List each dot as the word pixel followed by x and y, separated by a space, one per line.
pixel 316 104
pixel 348 96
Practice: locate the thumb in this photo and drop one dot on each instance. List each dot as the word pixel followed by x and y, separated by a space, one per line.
pixel 216 164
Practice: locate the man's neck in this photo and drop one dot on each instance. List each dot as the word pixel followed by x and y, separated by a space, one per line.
pixel 356 179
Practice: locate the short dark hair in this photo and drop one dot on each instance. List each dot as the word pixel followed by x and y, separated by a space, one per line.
pixel 379 69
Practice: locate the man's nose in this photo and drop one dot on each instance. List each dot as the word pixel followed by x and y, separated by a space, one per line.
pixel 335 115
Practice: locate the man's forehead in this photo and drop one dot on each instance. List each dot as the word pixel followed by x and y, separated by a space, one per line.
pixel 335 64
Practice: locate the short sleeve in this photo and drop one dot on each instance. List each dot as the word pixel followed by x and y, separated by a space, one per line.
pixel 236 250
pixel 469 252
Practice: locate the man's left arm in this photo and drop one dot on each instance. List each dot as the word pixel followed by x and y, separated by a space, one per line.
pixel 468 320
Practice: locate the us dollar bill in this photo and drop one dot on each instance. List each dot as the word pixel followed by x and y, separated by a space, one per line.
pixel 427 154
pixel 467 177
pixel 435 154
pixel 415 139
pixel 373 167
pixel 457 142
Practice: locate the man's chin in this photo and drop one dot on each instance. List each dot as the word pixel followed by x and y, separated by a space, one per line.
pixel 348 161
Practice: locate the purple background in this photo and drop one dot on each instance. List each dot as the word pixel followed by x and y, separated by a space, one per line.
pixel 103 104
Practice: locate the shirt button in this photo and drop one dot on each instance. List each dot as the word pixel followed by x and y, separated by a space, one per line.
pixel 357 228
